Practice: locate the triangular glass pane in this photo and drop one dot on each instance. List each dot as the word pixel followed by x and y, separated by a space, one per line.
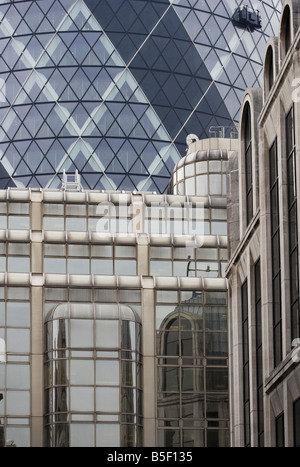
pixel 23 182
pixel 92 180
pixel 67 37
pixel 45 26
pixel 139 168
pixel 115 180
pixel 115 130
pixel 44 144
pixel 91 59
pixel 43 180
pixel 115 166
pixel 22 169
pixel 45 132
pixel 68 60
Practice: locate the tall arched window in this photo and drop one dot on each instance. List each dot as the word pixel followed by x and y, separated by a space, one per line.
pixel 248 162
pixel 287 25
pixel 269 70
pixel 286 32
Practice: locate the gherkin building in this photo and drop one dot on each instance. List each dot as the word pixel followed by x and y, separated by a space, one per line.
pixel 112 88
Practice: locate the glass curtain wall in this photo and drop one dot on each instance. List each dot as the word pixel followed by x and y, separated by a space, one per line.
pixel 93 376
pixel 111 89
pixel 192 378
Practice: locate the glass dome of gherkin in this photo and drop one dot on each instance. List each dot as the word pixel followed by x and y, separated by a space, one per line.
pixel 111 88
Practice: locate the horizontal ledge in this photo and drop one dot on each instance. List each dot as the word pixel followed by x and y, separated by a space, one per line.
pixel 109 282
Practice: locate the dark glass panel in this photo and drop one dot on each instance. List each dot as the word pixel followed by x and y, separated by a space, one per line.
pixel 277 344
pixel 296 416
pixel 279 430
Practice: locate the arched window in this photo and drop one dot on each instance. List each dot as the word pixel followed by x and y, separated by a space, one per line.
pixel 286 32
pixel 248 162
pixel 269 70
pixel 287 37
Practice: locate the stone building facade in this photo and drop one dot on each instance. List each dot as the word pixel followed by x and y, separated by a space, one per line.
pixel 263 270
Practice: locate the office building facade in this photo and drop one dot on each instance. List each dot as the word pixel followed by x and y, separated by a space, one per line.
pixel 263 271
pixel 112 89
pixel 113 324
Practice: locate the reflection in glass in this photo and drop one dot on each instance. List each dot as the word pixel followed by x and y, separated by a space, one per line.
pixel 102 383
pixel 82 372
pixel 185 384
pixel 108 435
pixel 82 435
pixel 18 314
pixel 108 372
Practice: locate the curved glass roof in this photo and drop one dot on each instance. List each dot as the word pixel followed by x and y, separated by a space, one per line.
pixel 112 88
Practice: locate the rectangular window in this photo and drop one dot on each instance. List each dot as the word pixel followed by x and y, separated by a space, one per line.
pixel 275 245
pixel 259 361
pixel 296 416
pixel 279 430
pixel 292 219
pixel 248 165
pixel 246 387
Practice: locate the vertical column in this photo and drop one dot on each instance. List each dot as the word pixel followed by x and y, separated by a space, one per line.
pixel 37 379
pixel 266 281
pixel 237 421
pixel 149 366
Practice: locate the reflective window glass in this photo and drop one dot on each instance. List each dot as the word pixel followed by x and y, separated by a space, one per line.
pixel 161 268
pixel 75 224
pixel 125 267
pixel 107 435
pixel 55 265
pixel 18 403
pixel 78 266
pixel 107 399
pixel 18 377
pixel 18 340
pixel 82 333
pixel 82 399
pixel 125 252
pixel 54 249
pixel 107 372
pixel 18 222
pixel 105 251
pixel 54 223
pixel 82 435
pixel 18 264
pixel 102 266
pixel 20 435
pixel 2 264
pixel 18 208
pixel 215 185
pixel 107 334
pixel 82 372
pixel 75 209
pixel 21 249
pixel 18 314
pixel 53 209
pixel 78 250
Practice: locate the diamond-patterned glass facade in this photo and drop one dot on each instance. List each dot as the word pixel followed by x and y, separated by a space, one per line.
pixel 112 87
